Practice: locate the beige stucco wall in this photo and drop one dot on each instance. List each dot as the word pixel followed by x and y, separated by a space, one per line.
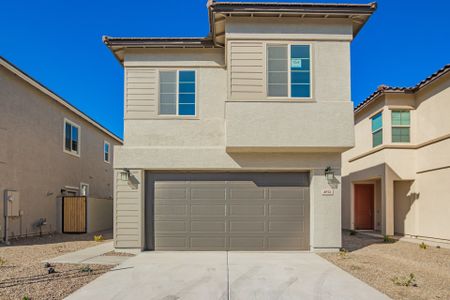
pixel 425 161
pixel 32 160
pixel 99 214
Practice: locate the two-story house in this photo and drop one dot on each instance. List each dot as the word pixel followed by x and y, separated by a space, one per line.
pixel 234 141
pixel 49 149
pixel 397 178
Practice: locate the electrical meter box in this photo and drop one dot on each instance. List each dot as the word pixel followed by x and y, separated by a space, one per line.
pixel 12 203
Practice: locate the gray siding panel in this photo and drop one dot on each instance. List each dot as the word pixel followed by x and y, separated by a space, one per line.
pixel 247 70
pixel 141 88
pixel 128 211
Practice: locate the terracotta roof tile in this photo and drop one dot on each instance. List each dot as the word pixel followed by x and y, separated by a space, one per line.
pixel 412 89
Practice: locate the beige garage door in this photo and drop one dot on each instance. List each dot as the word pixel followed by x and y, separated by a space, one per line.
pixel 228 211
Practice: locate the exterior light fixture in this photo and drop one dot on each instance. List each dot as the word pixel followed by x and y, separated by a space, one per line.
pixel 329 173
pixel 124 175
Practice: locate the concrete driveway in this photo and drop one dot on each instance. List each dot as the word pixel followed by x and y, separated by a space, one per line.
pixel 227 275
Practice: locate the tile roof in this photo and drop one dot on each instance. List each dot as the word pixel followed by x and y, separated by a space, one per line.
pixel 412 89
pixel 162 42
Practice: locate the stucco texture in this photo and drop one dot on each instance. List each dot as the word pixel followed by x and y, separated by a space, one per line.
pixel 32 160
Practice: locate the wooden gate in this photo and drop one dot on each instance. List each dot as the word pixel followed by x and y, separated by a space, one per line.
pixel 74 214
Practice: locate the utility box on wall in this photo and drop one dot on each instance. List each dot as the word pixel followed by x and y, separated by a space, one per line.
pixel 12 203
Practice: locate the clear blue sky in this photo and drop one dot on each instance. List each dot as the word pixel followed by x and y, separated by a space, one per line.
pixel 59 44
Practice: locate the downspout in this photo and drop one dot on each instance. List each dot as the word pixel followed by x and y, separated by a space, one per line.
pixel 209 5
pixel 5 200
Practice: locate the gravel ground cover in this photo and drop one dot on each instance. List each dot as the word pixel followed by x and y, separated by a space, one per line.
pixel 387 266
pixel 22 272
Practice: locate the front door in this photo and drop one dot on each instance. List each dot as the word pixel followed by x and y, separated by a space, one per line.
pixel 364 206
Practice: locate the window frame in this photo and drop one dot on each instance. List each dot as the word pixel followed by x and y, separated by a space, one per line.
pixel 379 129
pixel 289 83
pixel 177 115
pixel 71 152
pixel 109 152
pixel 400 126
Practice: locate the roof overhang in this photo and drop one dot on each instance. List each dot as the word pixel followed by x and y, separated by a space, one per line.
pixel 119 44
pixel 219 11
pixel 384 89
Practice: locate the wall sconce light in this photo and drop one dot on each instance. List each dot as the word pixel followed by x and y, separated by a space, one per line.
pixel 329 173
pixel 125 175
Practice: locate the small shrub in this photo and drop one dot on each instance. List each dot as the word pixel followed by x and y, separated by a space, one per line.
pixel 98 238
pixel 354 268
pixel 26 298
pixel 423 246
pixel 51 270
pixel 2 261
pixel 405 280
pixel 343 253
pixel 388 239
pixel 86 269
pixel 438 247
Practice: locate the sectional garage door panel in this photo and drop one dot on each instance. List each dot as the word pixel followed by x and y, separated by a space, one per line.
pixel 227 211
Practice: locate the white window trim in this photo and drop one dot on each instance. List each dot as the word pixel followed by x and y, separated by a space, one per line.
pixel 78 153
pixel 289 71
pixel 401 126
pixel 81 188
pixel 109 152
pixel 380 129
pixel 177 115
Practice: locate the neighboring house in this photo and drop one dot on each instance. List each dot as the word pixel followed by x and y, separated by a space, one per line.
pixel 48 149
pixel 397 178
pixel 227 138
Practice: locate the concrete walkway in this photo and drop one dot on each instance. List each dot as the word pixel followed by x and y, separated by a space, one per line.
pixel 227 275
pixel 91 255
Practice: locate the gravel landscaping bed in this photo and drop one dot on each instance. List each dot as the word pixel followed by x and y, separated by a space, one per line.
pixel 22 272
pixel 387 266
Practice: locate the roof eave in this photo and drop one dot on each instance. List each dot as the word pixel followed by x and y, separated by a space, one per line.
pixel 116 44
pixel 403 90
pixel 358 13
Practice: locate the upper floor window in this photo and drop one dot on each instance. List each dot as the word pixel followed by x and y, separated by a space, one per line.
pixel 400 126
pixel 289 71
pixel 377 129
pixel 106 151
pixel 177 93
pixel 71 138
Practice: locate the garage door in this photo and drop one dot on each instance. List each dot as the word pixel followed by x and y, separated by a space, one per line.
pixel 227 211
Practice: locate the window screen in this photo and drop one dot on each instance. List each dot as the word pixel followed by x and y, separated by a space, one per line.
pixel 277 71
pixel 168 93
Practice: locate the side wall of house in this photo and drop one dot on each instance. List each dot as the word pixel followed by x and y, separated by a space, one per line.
pixel 32 160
